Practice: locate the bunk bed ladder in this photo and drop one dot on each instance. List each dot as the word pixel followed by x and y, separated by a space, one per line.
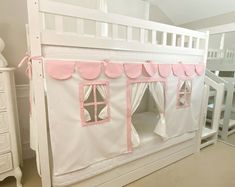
pixel 216 92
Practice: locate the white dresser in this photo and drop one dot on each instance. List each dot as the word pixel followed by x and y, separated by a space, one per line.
pixel 10 145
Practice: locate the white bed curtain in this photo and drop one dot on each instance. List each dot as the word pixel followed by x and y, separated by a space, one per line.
pixel 103 92
pixel 87 92
pixel 137 92
pixel 188 86
pixel 157 91
pixel 34 127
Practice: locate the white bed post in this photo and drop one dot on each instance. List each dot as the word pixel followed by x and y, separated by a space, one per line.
pixel 202 118
pixel 228 109
pixel 204 100
pixel 102 27
pixel 40 104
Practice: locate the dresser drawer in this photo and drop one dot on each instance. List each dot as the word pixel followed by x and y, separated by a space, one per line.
pixel 5 163
pixel 3 122
pixel 4 143
pixel 3 102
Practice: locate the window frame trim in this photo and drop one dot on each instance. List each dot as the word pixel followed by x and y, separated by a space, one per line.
pixel 185 93
pixel 94 103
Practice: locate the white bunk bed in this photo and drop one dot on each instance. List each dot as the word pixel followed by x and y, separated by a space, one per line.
pixel 156 42
pixel 221 63
pixel 227 109
pixel 225 55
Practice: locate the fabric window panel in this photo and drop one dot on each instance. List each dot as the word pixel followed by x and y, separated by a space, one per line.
pixel 103 92
pixel 87 92
pixel 137 92
pixel 184 93
pixel 158 93
pixel 188 85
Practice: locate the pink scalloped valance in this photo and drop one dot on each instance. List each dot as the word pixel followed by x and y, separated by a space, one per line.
pixel 164 70
pixel 189 69
pixel 200 69
pixel 133 71
pixel 89 70
pixel 113 70
pixel 178 70
pixel 149 69
pixel 59 69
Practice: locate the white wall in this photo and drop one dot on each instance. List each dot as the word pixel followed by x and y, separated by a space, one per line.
pixel 133 8
pixel 22 92
pixel 156 14
pixel 212 21
pixel 214 41
pixel 229 40
pixel 13 16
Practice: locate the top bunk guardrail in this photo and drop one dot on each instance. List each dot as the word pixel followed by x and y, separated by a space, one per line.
pixel 217 54
pixel 69 25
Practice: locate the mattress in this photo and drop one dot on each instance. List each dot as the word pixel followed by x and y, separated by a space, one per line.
pixel 145 123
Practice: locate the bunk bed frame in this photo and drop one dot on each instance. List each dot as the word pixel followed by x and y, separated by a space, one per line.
pixel 183 42
pixel 221 60
pixel 226 124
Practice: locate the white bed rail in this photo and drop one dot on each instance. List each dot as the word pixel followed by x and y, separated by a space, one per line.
pixel 217 54
pixel 128 33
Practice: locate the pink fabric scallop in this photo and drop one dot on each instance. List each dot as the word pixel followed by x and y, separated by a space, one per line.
pixel 178 70
pixel 133 71
pixel 164 70
pixel 150 69
pixel 59 69
pixel 113 70
pixel 200 68
pixel 189 69
pixel 89 70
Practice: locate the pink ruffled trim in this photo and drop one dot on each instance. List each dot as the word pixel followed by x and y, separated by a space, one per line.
pixel 189 69
pixel 89 71
pixel 59 69
pixel 133 71
pixel 164 70
pixel 200 68
pixel 113 70
pixel 149 69
pixel 178 70
pixel 62 70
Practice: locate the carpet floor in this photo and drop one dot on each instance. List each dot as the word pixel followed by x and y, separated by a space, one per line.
pixel 214 166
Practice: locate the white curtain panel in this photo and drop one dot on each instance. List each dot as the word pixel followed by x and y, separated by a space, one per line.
pixel 137 92
pixel 157 91
pixel 102 90
pixel 33 124
pixel 188 85
pixel 34 127
pixel 87 92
